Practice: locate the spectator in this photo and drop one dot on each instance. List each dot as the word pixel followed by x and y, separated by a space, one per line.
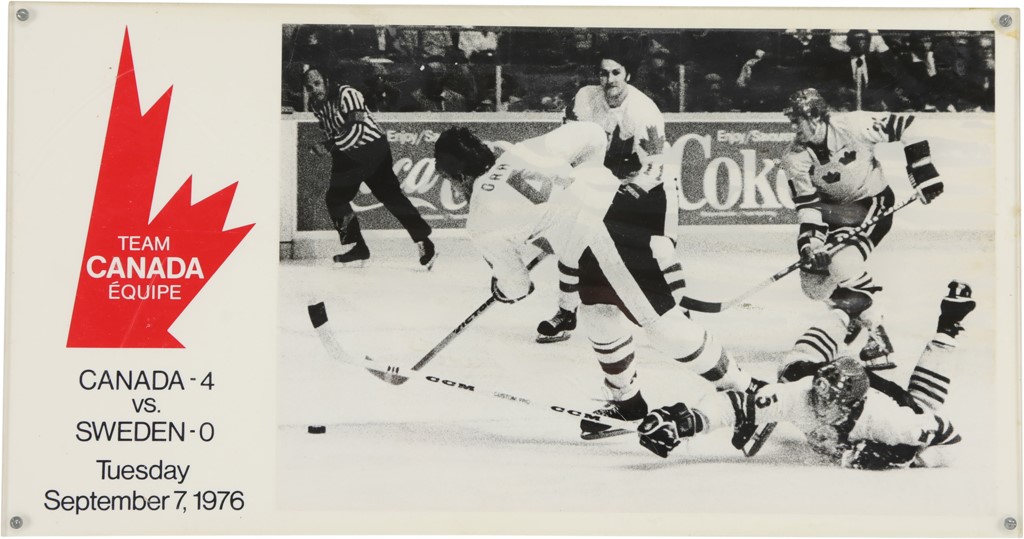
pixel 381 95
pixel 443 88
pixel 437 43
pixel 712 96
pixel 980 73
pixel 746 72
pixel 311 48
pixel 659 80
pixel 355 42
pixel 510 96
pixel 478 47
pixel 919 70
pixel 402 44
pixel 442 68
pixel 870 75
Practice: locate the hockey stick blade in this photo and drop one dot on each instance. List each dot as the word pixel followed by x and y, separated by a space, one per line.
pixel 318 316
pixel 605 434
pixel 712 307
pixel 694 304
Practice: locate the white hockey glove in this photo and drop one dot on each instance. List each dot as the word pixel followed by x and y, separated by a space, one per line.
pixel 663 428
pixel 498 295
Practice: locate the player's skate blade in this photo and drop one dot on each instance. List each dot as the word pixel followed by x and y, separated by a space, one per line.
pixel 356 257
pixel 631 409
pixel 559 328
pixel 757 440
pixel 428 255
pixel 559 337
pixel 875 353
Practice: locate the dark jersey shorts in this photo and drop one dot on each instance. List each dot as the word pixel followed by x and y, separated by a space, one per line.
pixel 620 269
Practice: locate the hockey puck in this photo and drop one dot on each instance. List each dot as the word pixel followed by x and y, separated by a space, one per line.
pixel 316 429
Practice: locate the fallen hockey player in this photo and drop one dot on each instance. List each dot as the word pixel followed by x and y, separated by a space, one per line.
pixel 854 417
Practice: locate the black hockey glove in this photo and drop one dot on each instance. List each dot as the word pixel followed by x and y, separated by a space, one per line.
pixel 923 175
pixel 815 258
pixel 872 455
pixel 663 428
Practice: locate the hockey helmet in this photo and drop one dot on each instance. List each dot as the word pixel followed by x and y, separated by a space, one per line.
pixel 807 103
pixel 839 385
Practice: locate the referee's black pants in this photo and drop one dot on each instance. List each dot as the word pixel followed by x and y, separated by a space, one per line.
pixel 374 165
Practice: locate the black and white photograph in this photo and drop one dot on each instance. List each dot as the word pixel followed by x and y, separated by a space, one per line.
pixel 518 270
pixel 623 270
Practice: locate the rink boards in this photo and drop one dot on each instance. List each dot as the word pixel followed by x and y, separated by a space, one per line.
pixel 727 164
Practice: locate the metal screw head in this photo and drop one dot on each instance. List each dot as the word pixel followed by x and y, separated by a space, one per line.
pixel 1010 523
pixel 22 14
pixel 16 522
pixel 1005 21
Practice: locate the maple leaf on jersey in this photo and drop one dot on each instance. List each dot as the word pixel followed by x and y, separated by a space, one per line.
pixel 138 276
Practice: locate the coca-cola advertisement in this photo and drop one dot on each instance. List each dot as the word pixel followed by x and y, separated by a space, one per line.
pixel 729 171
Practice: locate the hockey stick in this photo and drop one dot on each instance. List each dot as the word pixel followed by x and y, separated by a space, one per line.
pixel 716 307
pixel 394 375
pixel 465 323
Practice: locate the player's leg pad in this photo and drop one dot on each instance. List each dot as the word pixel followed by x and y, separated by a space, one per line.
pixel 568 279
pixel 616 359
pixel 713 363
pixel 817 344
pixel 928 387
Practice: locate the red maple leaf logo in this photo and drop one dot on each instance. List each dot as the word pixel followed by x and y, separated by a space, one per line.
pixel 137 275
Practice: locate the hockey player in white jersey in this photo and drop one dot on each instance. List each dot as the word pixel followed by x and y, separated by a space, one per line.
pixel 837 185
pixel 635 131
pixel 848 414
pixel 555 187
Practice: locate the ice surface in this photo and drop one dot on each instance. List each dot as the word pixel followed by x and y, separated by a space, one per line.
pixel 420 447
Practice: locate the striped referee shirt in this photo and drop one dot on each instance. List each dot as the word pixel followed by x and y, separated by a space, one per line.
pixel 346 121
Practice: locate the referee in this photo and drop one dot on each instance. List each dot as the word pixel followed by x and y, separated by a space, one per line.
pixel 360 153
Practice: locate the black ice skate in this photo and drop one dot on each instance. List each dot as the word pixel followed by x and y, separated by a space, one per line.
pixel 427 253
pixel 955 306
pixel 875 353
pixel 355 257
pixel 631 409
pixel 558 329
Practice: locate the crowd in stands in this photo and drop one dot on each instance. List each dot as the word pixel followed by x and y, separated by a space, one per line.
pixel 463 69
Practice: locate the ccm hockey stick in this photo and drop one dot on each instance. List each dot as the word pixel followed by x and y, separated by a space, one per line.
pixel 395 375
pixel 717 307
